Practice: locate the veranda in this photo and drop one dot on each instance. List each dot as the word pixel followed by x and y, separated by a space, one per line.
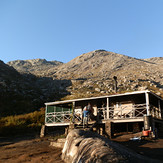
pixel 118 108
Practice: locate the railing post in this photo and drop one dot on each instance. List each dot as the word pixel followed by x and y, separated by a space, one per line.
pixel 107 106
pixel 133 110
pixel 147 103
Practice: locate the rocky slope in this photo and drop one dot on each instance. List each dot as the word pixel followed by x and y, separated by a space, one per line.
pixel 105 64
pixel 90 74
pixel 22 93
pixel 96 64
pixel 34 66
pixel 99 67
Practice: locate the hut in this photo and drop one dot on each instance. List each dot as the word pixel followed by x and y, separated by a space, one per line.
pixel 117 113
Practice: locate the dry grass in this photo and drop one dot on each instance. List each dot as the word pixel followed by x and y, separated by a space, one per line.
pixel 19 124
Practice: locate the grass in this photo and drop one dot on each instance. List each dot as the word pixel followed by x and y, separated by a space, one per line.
pixel 21 124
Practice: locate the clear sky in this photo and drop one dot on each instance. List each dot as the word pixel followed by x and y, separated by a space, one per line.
pixel 64 29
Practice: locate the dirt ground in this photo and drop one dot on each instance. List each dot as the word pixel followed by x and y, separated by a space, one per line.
pixel 28 149
pixel 36 150
pixel 150 148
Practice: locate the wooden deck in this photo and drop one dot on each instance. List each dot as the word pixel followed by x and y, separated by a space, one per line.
pixel 125 120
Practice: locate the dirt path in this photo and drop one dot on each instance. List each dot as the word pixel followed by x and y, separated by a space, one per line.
pixel 36 150
pixel 29 150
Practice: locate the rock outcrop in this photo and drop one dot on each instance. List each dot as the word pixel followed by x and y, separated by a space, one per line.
pixel 89 147
pixel 85 147
pixel 38 67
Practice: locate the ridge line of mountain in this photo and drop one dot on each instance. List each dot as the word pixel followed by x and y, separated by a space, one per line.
pixel 26 85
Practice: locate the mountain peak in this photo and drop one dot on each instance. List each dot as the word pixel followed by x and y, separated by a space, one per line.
pixel 33 65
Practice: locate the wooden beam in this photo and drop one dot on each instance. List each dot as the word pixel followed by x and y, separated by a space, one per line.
pixel 57 124
pixel 125 120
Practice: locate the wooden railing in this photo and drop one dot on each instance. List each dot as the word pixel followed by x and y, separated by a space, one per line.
pixel 62 117
pixel 121 112
pixel 155 112
pixel 124 111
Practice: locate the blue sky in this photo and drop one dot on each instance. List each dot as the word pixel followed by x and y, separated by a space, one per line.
pixel 64 29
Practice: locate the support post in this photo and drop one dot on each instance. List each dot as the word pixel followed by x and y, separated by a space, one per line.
pixel 159 109
pixel 107 107
pixel 127 127
pixel 147 103
pixel 73 112
pixel 109 129
pixel 42 132
pixel 46 113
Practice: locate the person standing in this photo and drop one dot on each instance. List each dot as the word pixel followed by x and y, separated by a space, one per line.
pixel 89 108
pixel 85 117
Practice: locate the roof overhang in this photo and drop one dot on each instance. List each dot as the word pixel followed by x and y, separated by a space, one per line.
pixel 100 97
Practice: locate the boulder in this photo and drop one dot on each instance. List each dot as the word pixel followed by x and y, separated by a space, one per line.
pixel 89 147
pixel 85 146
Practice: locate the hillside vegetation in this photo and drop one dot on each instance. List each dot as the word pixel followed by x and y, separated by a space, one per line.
pixel 22 124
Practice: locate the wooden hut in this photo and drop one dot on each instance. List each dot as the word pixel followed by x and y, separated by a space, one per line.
pixel 123 111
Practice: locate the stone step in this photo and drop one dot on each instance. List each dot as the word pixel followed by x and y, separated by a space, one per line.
pixel 61 140
pixel 56 144
pixel 59 143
